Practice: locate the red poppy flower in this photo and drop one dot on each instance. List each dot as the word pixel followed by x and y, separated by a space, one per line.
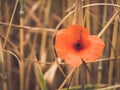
pixel 75 43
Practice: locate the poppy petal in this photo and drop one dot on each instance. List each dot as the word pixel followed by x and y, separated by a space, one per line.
pixel 95 49
pixel 60 43
pixel 65 39
pixel 64 43
pixel 80 31
pixel 73 60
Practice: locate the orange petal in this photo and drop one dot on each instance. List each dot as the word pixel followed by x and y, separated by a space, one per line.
pixel 60 43
pixel 95 49
pixel 65 39
pixel 80 31
pixel 73 60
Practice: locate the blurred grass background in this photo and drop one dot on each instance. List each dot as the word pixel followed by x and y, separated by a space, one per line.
pixel 26 37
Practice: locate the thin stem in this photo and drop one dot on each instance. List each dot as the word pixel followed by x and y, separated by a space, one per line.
pixel 113 53
pixel 21 75
pixel 81 13
pixel 77 12
pixel 101 4
pixel 110 87
pixel 42 62
pixel 103 38
pixel 21 30
pixel 2 61
pixel 21 38
pixel 88 26
pixel 21 45
pixel 8 30
pixel 69 75
pixel 70 81
pixel 30 29
pixel 107 25
pixel 87 16
pixel 83 74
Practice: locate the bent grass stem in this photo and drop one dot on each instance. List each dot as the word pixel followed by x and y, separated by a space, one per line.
pixel 107 25
pixel 72 71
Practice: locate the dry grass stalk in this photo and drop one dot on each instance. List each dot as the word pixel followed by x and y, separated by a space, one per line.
pixel 8 31
pixel 113 52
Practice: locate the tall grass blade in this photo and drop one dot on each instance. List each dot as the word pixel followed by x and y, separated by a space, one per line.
pixel 42 82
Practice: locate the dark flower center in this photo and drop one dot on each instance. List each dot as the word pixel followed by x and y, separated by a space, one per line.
pixel 78 46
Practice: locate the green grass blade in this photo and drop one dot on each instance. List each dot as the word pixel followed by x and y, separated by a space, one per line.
pixel 42 82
